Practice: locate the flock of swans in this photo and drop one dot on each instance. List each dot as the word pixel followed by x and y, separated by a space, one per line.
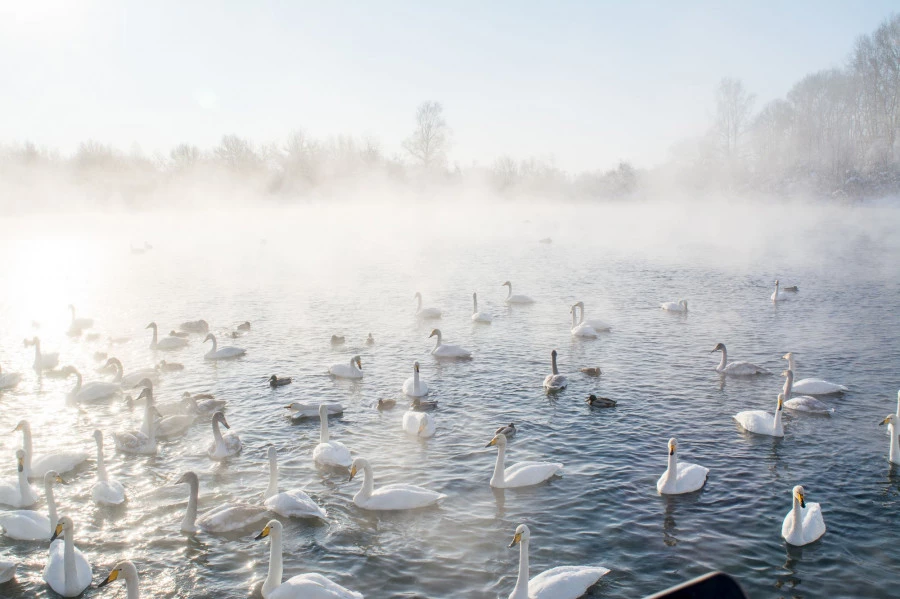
pixel 68 571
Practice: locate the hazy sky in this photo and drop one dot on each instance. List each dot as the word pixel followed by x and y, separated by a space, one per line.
pixel 586 83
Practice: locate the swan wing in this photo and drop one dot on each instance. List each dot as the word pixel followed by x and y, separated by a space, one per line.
pixel 54 572
pixel 691 477
pixel 743 369
pixel 564 582
pixel 805 403
pixel 555 382
pixel 450 351
pixel 813 522
pixel 60 462
pixel 670 306
pixel 25 525
pixel 332 453
pixel 96 390
pixel 232 516
pixel 756 421
pixel 584 330
pixel 171 343
pixel 295 504
pixel 524 474
pixel 108 492
pixel 402 497
pixel 410 390
pixel 312 586
pixel 9 380
pixel 598 325
pixel 817 387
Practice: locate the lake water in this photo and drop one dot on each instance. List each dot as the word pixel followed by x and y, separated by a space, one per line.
pixel 301 274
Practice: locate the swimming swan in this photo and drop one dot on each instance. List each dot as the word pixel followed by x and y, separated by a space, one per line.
pixel 679 306
pixel 302 586
pixel 141 442
pixel 223 446
pixel 30 525
pixel 195 326
pixel 7 570
pixel 351 371
pixel 562 582
pixel 290 504
pixel 523 474
pixel 595 323
pixel 42 361
pixel 802 403
pixel 445 350
pixel 134 378
pixel 812 386
pixel 804 523
pixel 581 330
pixel 680 477
pixel 418 424
pixel 77 325
pixel 778 295
pixel 225 353
pixel 166 343
pixel 477 316
pixel 425 313
pixel 414 387
pixel 555 381
pixel 736 368
pixel 68 571
pixel 763 423
pixel 389 497
pixel 39 466
pixel 105 491
pixel 329 453
pixel 226 517
pixel 894 431
pixel 126 570
pixel 515 299
pixel 9 380
pixel 18 493
pixel 93 391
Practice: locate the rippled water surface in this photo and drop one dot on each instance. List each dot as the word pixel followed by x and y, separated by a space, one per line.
pixel 300 275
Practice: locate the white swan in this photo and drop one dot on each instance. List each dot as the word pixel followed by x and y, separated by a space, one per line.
pixel 812 386
pixel 223 446
pixel 802 403
pixel 166 343
pixel 484 317
pixel 583 330
pixel 419 424
pixel 351 371
pixel 425 313
pixel 680 477
pixel 445 350
pixel 141 442
pixel 329 453
pixel 226 517
pixel 134 378
pixel 679 306
pixel 515 299
pixel 105 491
pixel 42 361
pixel 804 523
pixel 9 380
pixel 310 409
pixel 736 368
pixel 39 466
pixel 195 326
pixel 302 586
pixel 778 295
pixel 77 325
pixel 18 493
pixel 224 353
pixel 555 381
pixel 763 423
pixel 893 422
pixel 290 504
pixel 93 391
pixel 29 525
pixel 562 582
pixel 389 497
pixel 203 404
pixel 595 323
pixel 7 570
pixel 126 570
pixel 68 571
pixel 414 387
pixel 523 474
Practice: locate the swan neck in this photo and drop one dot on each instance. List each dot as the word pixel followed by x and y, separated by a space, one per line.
pixel 155 339
pixel 71 573
pixel 323 429
pixel 27 448
pixel 215 346
pixel 368 483
pixel 895 444
pixel 190 516
pixel 418 303
pixel 581 320
pixel 25 492
pixel 119 372
pixel 671 472
pixel 796 519
pixel 574 318
pixel 509 291
pixel 788 385
pixel 724 361
pixel 272 489
pixel 101 464
pixel 132 584
pixel 474 304
pixel 521 588
pixel 776 425
pixel 78 381
pixel 51 504
pixel 438 343
pixel 499 477
pixel 791 364
pixel 276 567
pixel 217 434
pixel 416 380
pixel 553 359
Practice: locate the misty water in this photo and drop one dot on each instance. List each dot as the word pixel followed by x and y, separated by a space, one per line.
pixel 302 274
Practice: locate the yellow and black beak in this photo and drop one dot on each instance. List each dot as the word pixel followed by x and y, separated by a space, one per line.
pixel 801 500
pixel 885 421
pixel 417 368
pixel 57 532
pixel 113 576
pixel 671 449
pixel 263 534
pixel 20 464
pixel 352 472
pixel 516 539
pixel 492 443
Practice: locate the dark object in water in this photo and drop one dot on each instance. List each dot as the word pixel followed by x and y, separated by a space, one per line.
pixel 592 371
pixel 335 340
pixel 386 404
pixel 199 396
pixel 244 326
pixel 600 402
pixel 195 326
pixel 423 406
pixel 170 366
pixel 370 340
pixel 509 431
pixel 792 289
pixel 274 381
pixel 182 334
pixel 546 240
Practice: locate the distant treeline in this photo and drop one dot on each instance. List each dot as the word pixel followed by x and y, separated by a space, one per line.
pixel 836 133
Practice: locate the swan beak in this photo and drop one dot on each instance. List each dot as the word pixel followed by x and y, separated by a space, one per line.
pixel 57 532
pixel 516 539
pixel 800 498
pixel 21 464
pixel 492 443
pixel 671 450
pixel 60 480
pixel 885 421
pixel 114 575
pixel 225 423
pixel 263 534
pixel 352 472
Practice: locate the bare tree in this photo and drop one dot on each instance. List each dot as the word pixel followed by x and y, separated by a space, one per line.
pixel 237 154
pixel 184 156
pixel 428 142
pixel 733 106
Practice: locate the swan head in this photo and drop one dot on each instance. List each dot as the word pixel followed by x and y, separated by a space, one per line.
pixel 891 419
pixel 271 452
pixel 418 295
pixel 800 495
pixel 272 525
pixel 146 393
pixel 323 411
pixel 684 303
pixel 23 426
pixel 673 445
pixel 522 534
pixel 434 332
pixel 423 426
pixel 124 566
pixel 220 417
pixel 776 282
pixel 499 440
pixel 780 402
pixel 70 370
pixel 98 436
pixel 416 366
pixel 357 465
pixel 53 476
pixel 208 337
pixel 20 460
pixel 64 523
pixel 152 325
pixel 788 356
pixel 112 362
pixel 506 284
pixel 358 361
pixel 718 347
pixel 188 478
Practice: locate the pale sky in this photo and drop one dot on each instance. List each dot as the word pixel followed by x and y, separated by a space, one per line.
pixel 583 83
